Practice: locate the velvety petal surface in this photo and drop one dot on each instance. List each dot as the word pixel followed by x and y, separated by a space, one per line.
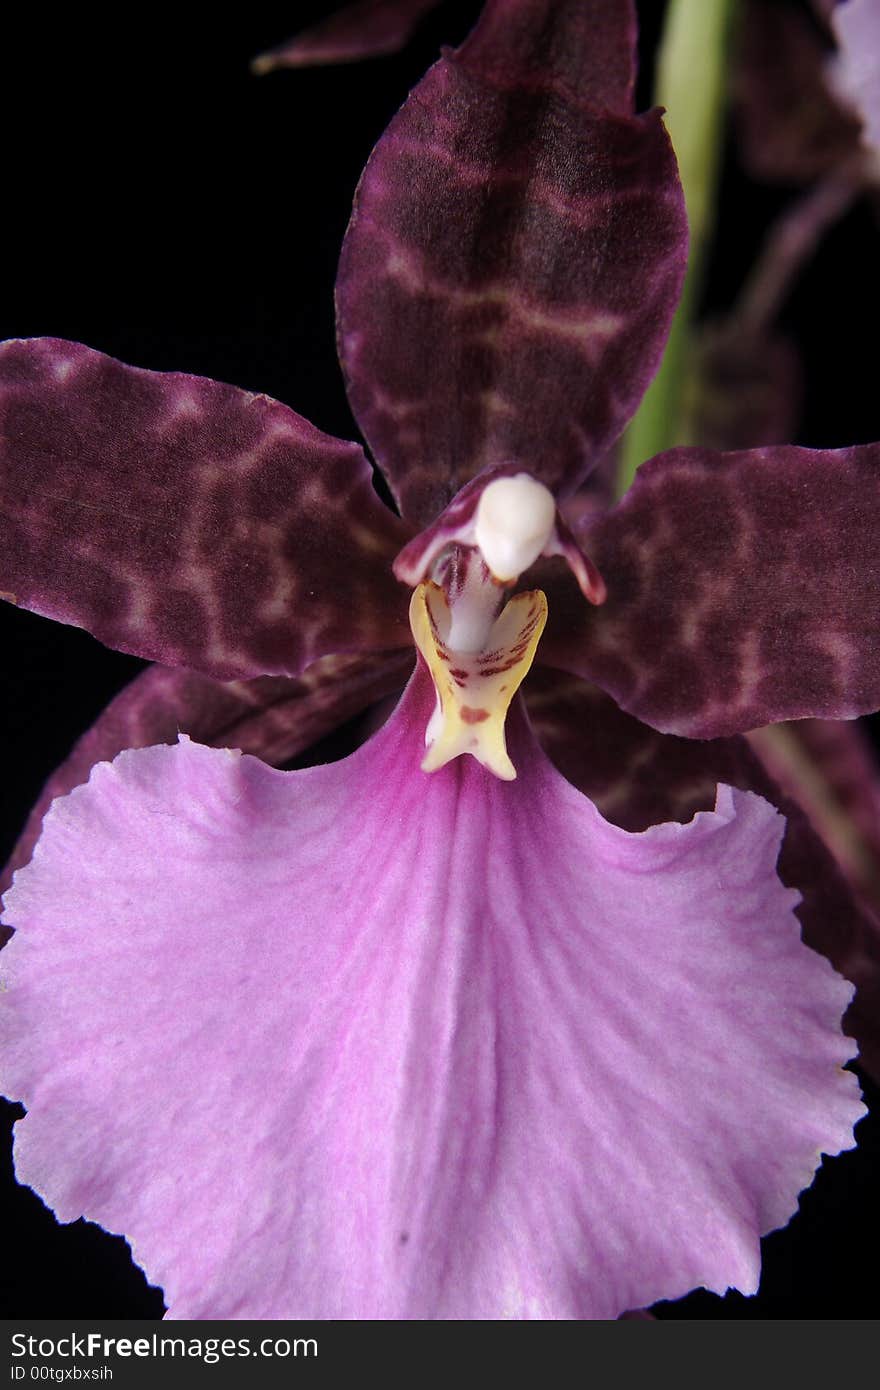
pixel 272 717
pixel 742 590
pixel 638 777
pixel 585 48
pixel 186 521
pixel 513 259
pixel 368 29
pixel 362 1042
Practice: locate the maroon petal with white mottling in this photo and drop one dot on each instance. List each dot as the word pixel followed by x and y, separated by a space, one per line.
pixel 742 590
pixel 368 29
pixel 273 717
pixel 187 521
pixel 513 260
pixel 585 48
pixel 638 777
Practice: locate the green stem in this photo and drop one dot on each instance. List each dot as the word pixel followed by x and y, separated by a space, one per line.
pixel 691 83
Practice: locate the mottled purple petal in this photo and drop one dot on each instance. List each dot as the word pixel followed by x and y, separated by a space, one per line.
pixel 742 590
pixel 367 29
pixel 273 717
pixel 187 521
pixel 638 778
pixel 585 49
pixel 318 1054
pixel 513 260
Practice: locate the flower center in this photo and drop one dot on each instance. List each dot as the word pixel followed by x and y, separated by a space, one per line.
pixel 474 688
pixel 478 650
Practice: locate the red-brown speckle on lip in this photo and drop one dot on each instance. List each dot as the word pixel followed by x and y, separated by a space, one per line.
pixel 473 716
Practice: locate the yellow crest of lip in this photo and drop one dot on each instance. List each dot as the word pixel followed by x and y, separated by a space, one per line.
pixel 474 689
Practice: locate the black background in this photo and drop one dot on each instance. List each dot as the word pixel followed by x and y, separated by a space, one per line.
pixel 163 205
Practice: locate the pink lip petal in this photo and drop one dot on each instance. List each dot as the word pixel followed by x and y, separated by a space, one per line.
pixel 638 777
pixel 272 717
pixel 357 1042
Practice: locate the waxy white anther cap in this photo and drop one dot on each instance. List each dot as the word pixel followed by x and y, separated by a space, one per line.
pixel 514 521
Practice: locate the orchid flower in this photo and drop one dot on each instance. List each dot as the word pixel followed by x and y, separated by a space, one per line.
pixel 418 1034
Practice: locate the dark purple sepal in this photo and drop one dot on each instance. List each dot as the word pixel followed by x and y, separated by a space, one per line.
pixel 274 718
pixel 186 521
pixel 581 49
pixel 742 591
pixel 367 29
pixel 638 777
pixel 512 264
